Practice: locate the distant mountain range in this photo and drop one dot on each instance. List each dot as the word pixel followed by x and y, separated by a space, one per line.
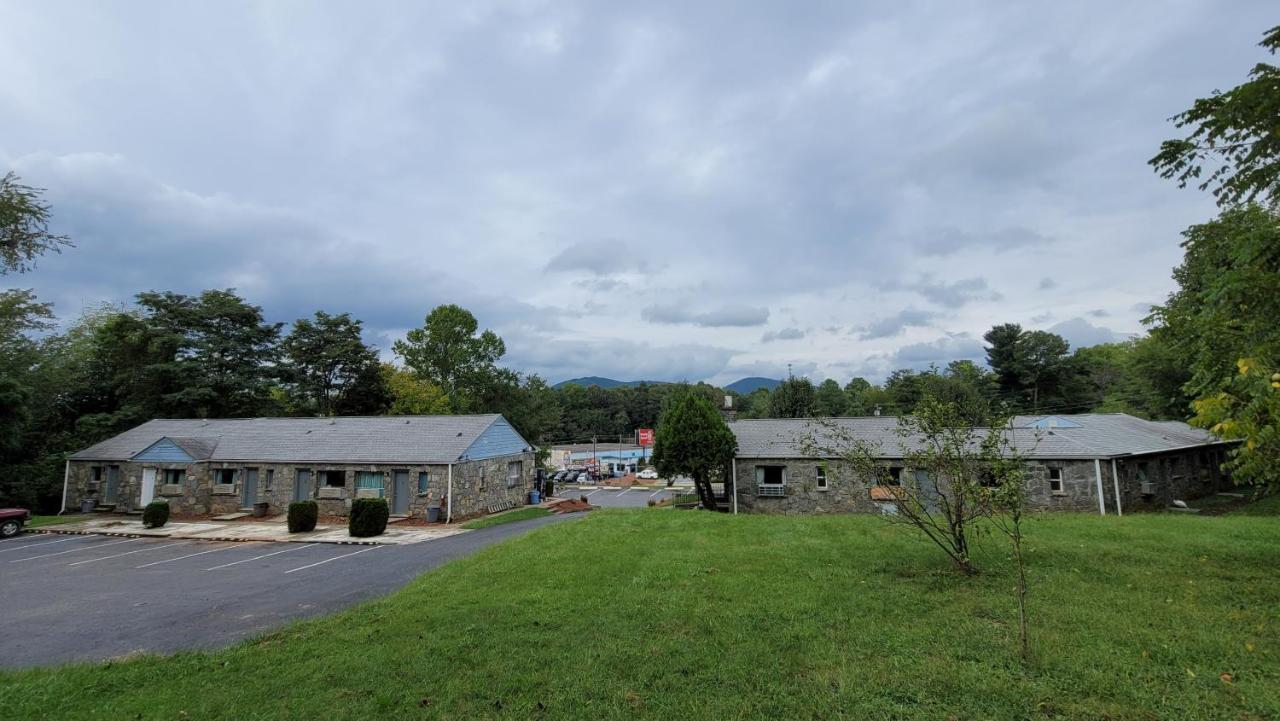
pixel 747 385
pixel 744 386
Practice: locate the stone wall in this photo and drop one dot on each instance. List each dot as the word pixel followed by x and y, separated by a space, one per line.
pixel 1185 475
pixel 200 496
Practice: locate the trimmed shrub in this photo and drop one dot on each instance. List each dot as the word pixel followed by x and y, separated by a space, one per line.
pixel 302 516
pixel 368 517
pixel 156 514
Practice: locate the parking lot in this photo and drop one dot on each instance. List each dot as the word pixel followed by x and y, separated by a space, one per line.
pixel 607 497
pixel 91 597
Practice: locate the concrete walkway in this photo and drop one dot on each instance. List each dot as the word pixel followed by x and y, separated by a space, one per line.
pixel 265 530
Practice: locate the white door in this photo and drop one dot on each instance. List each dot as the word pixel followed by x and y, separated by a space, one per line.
pixel 148 485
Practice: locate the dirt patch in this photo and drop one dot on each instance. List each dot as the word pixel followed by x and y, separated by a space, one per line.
pixel 572 505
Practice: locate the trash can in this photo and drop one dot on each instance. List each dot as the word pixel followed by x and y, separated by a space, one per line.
pixel 433 514
pixel 548 488
pixel 87 504
pixel 260 510
pixel 534 498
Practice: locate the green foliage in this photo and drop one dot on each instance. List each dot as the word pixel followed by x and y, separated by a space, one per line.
pixel 411 395
pixel 368 517
pixel 793 398
pixel 303 516
pixel 693 440
pixel 448 351
pixel 499 519
pixel 1032 369
pixel 1235 135
pixel 1221 326
pixel 155 515
pixel 329 370
pixel 829 399
pixel 24 226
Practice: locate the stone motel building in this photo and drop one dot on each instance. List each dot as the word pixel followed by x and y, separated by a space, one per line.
pixel 1102 463
pixel 469 464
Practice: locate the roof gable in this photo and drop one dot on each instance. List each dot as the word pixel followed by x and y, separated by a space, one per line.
pixel 164 451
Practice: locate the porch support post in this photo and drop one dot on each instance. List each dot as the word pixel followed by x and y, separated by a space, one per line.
pixel 1115 481
pixel 448 513
pixel 1097 474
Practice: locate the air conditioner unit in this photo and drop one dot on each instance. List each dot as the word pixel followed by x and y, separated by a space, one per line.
pixel 1148 488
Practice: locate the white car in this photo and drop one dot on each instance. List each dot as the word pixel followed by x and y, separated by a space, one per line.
pixel 648 474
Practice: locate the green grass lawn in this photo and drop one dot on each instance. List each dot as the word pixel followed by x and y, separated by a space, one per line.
pixel 1267 506
pixel 38 521
pixel 520 514
pixel 661 614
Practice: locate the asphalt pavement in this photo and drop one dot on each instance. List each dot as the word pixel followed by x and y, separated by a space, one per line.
pixel 609 497
pixel 88 598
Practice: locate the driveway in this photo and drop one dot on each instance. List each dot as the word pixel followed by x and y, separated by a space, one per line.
pixel 92 597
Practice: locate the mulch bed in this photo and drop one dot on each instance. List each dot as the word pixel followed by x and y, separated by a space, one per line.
pixel 571 505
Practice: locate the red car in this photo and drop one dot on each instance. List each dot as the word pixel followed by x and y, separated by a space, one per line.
pixel 11 520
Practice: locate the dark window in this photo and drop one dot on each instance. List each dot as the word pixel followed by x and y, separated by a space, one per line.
pixel 174 476
pixel 424 481
pixel 769 475
pixel 270 481
pixel 987 478
pixel 97 473
pixel 1055 480
pixel 822 478
pixel 333 479
pixel 895 476
pixel 224 476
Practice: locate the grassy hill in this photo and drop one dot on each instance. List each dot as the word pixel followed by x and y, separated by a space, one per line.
pixel 658 614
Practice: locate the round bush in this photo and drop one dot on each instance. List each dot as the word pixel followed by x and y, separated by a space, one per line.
pixel 155 515
pixel 302 516
pixel 368 517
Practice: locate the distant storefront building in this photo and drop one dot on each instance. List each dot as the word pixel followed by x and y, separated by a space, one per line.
pixel 611 458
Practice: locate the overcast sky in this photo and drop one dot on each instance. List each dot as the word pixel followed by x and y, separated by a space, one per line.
pixel 662 191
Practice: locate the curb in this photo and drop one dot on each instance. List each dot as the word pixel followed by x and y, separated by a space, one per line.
pixel 231 539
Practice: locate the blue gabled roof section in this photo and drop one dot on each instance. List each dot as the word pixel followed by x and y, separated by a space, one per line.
pixel 1053 422
pixel 163 451
pixel 499 439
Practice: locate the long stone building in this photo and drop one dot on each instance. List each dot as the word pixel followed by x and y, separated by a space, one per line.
pixel 1104 463
pixel 468 464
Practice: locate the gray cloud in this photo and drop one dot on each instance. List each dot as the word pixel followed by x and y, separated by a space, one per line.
pixel 727 316
pixel 1099 313
pixel 958 346
pixel 895 324
pixel 558 167
pixel 1080 333
pixel 782 334
pixel 946 241
pixel 1047 283
pixel 957 293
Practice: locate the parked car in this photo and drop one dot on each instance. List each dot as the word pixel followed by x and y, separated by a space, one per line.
pixel 558 475
pixel 12 520
pixel 648 474
pixel 584 477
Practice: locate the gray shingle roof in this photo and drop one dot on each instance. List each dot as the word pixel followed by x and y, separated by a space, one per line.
pixel 368 439
pixel 1100 435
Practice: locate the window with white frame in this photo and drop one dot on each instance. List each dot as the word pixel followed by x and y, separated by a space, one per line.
pixel 1055 482
pixel 771 481
pixel 515 469
pixel 822 478
pixel 270 483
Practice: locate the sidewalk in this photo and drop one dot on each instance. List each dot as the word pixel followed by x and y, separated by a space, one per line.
pixel 274 531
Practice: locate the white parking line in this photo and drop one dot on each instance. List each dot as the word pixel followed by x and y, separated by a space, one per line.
pixel 595 491
pixel 317 563
pixel 82 548
pixel 651 495
pixel 276 553
pixel 624 491
pixel 128 553
pixel 189 555
pixel 39 543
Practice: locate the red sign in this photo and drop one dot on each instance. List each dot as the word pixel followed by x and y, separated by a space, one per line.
pixel 644 436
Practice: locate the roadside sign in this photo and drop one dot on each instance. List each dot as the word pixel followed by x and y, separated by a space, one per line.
pixel 644 436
